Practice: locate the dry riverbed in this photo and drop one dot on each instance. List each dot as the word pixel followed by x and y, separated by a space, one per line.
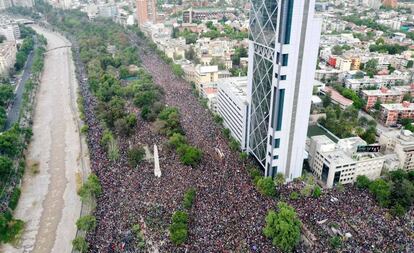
pixel 49 204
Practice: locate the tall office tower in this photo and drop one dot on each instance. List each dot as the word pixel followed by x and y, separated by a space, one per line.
pixel 373 4
pixel 146 11
pixel 283 48
pixel 24 3
pixel 4 4
pixel 142 11
pixel 152 11
pixel 390 3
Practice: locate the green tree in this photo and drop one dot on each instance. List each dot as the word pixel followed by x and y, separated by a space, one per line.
pixel 381 190
pixel 177 70
pixel 190 54
pixel 337 50
pixel 176 140
pixel 10 144
pixel 335 242
pixel 370 135
pixel 180 217
pixel 189 155
pixel 6 93
pixel 135 156
pixel 80 244
pixel 6 167
pixel 86 223
pixel 363 182
pixel 402 194
pixel 91 188
pixel 189 197
pixel 279 179
pixel 179 227
pixel 178 233
pixel 283 227
pixel 317 191
pixel 266 186
pixel 371 67
pixel 326 101
pixel 377 105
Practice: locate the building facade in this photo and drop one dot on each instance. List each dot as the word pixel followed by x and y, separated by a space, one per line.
pixel 4 4
pixel 232 106
pixel 383 95
pixel 10 31
pixel 283 47
pixel 400 142
pixel 339 163
pixel 390 114
pixel 24 3
pixel 8 52
pixel 146 11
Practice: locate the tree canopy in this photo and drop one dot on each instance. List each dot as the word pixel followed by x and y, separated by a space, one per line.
pixel 283 227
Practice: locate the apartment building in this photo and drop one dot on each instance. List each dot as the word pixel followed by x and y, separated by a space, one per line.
pixel 400 142
pixel 390 114
pixel 8 52
pixel 383 95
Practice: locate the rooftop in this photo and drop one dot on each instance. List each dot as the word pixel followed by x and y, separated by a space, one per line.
pixel 383 92
pixel 405 106
pixel 237 85
pixel 404 137
pixel 336 96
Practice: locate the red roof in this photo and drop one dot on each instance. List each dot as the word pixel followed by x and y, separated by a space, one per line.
pixel 336 96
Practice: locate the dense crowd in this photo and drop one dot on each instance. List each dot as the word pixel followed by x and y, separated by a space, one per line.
pixel 228 214
pixel 356 214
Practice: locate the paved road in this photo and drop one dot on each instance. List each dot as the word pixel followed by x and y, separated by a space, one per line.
pixel 49 203
pixel 380 128
pixel 13 113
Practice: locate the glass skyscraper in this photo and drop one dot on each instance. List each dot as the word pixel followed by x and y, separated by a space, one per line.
pixel 283 47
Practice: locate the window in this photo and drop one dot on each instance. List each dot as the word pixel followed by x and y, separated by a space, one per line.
pixel 280 109
pixel 285 59
pixel 277 143
pixel 283 77
pixel 288 27
pixel 270 140
pixel 274 171
pixel 277 57
pixel 275 157
pixel 286 21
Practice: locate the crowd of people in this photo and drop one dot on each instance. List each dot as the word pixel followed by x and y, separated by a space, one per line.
pixel 353 214
pixel 229 213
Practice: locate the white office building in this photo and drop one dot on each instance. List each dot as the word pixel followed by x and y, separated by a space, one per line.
pixel 4 4
pixel 340 163
pixel 8 52
pixel 283 47
pixel 401 143
pixel 232 106
pixel 10 31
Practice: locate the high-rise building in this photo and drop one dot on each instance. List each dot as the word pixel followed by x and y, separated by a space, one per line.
pixel 283 48
pixel 373 4
pixel 146 11
pixel 4 4
pixel 390 3
pixel 24 3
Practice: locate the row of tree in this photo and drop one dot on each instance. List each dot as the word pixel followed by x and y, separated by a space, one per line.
pixel 346 123
pixel 394 191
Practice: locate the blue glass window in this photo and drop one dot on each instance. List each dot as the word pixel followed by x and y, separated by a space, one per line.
pixel 277 143
pixel 285 58
pixel 280 109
